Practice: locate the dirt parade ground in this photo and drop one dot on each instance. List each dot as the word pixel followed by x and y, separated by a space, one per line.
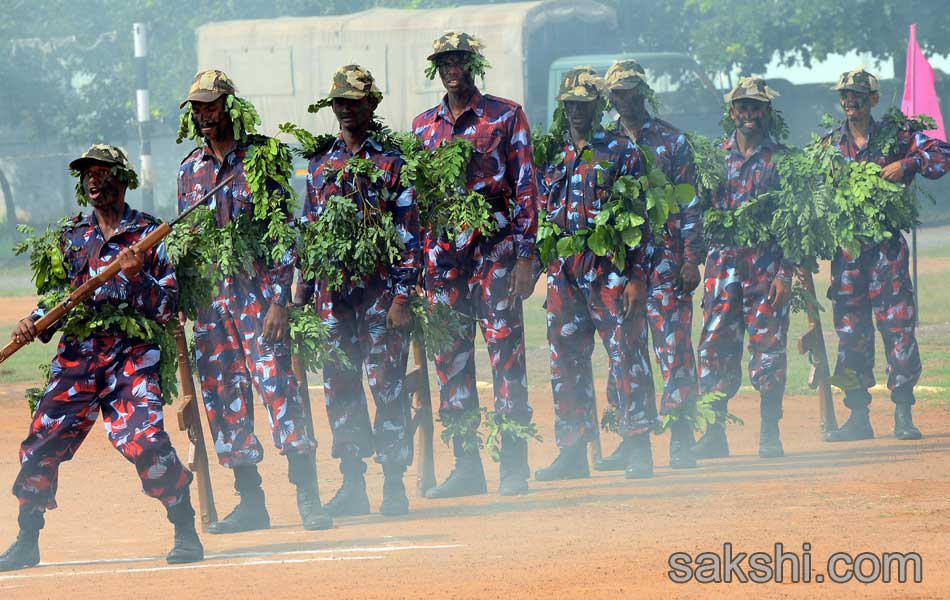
pixel 605 537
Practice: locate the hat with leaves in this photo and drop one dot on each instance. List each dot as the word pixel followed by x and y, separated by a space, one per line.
pixel 352 82
pixel 625 74
pixel 208 86
pixel 751 88
pixel 581 84
pixel 857 80
pixel 453 41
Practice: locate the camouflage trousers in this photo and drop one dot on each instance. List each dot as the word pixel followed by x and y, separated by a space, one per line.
pixel 584 296
pixel 232 358
pixel 735 303
pixel 115 377
pixel 473 276
pixel 875 283
pixel 356 317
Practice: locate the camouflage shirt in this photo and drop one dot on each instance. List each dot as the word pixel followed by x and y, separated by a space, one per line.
pixel 199 172
pixel 502 164
pixel 386 193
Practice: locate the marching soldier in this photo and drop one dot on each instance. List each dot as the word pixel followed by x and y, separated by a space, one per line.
pixel 675 259
pixel 589 293
pixel 241 340
pixel 368 319
pixel 483 275
pixel 877 281
pixel 746 289
pixel 105 371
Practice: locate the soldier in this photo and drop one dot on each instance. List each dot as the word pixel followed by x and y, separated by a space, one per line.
pixel 674 260
pixel 241 339
pixel 367 319
pixel 588 293
pixel 877 281
pixel 105 371
pixel 483 275
pixel 746 289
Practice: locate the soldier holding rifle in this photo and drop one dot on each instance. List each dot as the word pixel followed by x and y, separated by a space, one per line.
pixel 241 339
pixel 106 372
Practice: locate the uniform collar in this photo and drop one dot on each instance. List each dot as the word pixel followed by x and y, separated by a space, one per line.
pixel 476 104
pixel 731 146
pixel 340 145
pixel 132 220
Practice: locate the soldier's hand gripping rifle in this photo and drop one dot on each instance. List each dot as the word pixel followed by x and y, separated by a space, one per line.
pixel 812 342
pixel 189 420
pixel 417 386
pixel 89 288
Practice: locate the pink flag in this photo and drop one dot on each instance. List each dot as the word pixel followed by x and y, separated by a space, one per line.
pixel 920 95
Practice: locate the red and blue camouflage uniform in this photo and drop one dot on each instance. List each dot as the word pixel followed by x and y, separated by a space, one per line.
pixel 878 280
pixel 585 294
pixel 737 282
pixel 670 312
pixel 473 273
pixel 356 313
pixel 230 350
pixel 107 372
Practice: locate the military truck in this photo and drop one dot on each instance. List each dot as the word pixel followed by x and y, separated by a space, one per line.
pixel 285 64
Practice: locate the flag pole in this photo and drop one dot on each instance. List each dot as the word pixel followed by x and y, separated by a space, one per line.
pixel 913 235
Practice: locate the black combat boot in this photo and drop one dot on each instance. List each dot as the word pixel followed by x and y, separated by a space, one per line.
pixel 904 428
pixel 351 499
pixel 681 445
pixel 616 461
pixel 25 551
pixel 395 502
pixel 713 444
pixel 187 548
pixel 514 466
pixel 571 463
pixel 639 457
pixel 466 479
pixel 858 425
pixel 250 513
pixel 302 471
pixel 770 443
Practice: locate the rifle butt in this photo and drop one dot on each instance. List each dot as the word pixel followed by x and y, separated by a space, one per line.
pixel 189 420
pixel 417 384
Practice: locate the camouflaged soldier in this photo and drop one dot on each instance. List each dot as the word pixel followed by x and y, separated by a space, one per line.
pixel 876 284
pixel 367 319
pixel 746 289
pixel 105 372
pixel 483 275
pixel 588 295
pixel 241 339
pixel 674 259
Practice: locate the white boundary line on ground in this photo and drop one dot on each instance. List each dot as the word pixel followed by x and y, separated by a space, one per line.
pixel 377 550
pixel 250 563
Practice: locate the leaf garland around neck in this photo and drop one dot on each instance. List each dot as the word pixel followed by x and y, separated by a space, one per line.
pixel 709 160
pixel 440 177
pixel 48 264
pixel 350 242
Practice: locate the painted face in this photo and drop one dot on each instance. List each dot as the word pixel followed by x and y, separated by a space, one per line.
pixel 750 116
pixel 857 105
pixel 455 76
pixel 353 114
pixel 212 118
pixel 101 187
pixel 580 115
pixel 627 102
